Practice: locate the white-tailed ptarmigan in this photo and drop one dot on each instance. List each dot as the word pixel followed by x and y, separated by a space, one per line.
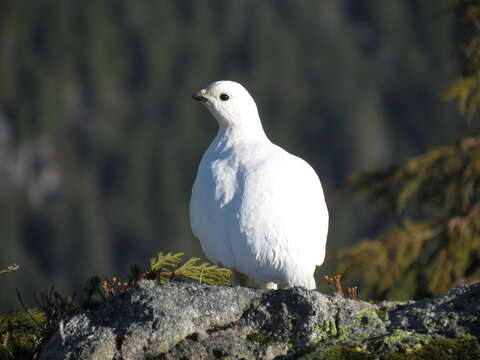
pixel 256 208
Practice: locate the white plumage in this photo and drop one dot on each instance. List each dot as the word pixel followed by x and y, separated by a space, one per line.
pixel 256 208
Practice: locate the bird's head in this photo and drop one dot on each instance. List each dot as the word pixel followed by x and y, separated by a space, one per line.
pixel 230 103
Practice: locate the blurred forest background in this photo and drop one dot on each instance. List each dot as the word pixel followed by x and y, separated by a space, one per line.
pixel 100 140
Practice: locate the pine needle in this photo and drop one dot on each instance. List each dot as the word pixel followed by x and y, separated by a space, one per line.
pixel 170 265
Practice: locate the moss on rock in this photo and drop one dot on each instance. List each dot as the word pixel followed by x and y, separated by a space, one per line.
pixel 257 338
pixel 338 352
pixel 464 348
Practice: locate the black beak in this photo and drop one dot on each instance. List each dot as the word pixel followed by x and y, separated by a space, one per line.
pixel 198 96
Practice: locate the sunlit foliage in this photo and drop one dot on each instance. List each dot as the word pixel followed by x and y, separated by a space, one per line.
pixel 466 88
pixel 170 265
pixel 435 243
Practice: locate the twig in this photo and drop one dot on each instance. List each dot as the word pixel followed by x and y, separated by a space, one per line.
pixel 201 273
pixel 11 268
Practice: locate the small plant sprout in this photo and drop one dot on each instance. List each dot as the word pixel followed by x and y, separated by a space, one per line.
pixel 335 284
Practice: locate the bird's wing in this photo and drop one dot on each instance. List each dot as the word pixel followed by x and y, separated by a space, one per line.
pixel 283 197
pixel 212 190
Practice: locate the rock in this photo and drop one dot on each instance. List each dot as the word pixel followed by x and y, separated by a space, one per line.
pixel 197 321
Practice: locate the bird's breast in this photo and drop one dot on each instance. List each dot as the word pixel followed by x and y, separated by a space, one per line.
pixel 224 179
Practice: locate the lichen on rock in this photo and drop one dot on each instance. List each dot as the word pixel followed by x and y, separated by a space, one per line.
pixel 198 321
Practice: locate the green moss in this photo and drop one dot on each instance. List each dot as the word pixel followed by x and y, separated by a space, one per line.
pixel 260 339
pixel 257 338
pixel 339 352
pixel 291 340
pixel 400 302
pixel 369 315
pixel 403 342
pixel 326 328
pixel 464 348
pixel 398 336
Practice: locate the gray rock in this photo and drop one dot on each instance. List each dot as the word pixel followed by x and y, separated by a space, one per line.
pixel 197 321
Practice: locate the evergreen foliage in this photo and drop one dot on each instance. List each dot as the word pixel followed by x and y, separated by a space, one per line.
pixel 170 265
pixel 466 89
pixel 22 333
pixel 435 244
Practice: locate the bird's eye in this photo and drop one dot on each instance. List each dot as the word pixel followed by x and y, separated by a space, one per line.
pixel 224 97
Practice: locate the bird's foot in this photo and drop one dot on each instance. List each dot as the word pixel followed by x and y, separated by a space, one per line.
pixel 269 286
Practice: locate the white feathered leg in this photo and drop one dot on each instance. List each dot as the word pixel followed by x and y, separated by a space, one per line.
pixel 240 279
pixel 269 286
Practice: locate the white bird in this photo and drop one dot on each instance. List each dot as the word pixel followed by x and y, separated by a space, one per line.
pixel 256 208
